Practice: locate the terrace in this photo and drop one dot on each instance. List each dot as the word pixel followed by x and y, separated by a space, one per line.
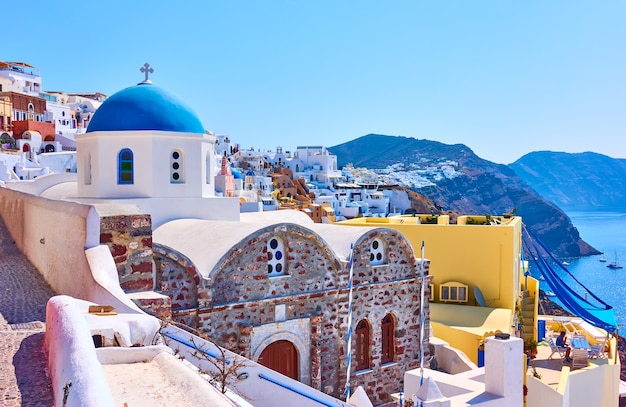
pixel 556 379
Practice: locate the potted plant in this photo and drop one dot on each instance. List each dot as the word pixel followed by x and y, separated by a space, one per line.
pixel 530 347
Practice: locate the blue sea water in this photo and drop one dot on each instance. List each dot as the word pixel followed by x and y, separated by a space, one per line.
pixel 604 229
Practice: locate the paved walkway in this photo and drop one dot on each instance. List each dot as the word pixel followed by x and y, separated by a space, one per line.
pixel 23 296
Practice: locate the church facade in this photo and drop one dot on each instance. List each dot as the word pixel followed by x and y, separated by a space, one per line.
pixel 274 287
pixel 279 294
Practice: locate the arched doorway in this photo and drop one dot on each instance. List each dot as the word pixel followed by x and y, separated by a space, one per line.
pixel 49 148
pixel 282 357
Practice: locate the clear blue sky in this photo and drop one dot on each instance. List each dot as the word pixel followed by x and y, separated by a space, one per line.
pixel 502 77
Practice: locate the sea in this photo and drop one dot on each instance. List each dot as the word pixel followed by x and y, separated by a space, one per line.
pixel 605 229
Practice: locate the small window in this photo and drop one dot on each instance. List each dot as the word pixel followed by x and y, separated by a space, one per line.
pixel 87 171
pixel 377 253
pixel 362 354
pixel 388 340
pixel 125 167
pixel 453 292
pixel 276 258
pixel 177 174
pixel 98 341
pixel 208 165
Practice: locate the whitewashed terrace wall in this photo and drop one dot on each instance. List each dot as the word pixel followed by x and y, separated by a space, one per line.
pixel 53 236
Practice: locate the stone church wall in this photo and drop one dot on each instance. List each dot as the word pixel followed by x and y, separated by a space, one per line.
pixel 242 308
pixel 129 237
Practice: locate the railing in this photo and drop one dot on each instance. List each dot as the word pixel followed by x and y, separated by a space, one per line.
pixel 290 388
pixel 192 346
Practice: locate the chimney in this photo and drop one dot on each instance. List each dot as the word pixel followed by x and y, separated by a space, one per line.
pixel 504 367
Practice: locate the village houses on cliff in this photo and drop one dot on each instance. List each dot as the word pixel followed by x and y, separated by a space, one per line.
pixel 270 286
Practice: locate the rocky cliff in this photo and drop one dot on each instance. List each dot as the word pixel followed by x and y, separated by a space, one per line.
pixel 570 180
pixel 457 180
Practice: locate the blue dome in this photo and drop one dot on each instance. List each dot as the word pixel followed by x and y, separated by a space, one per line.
pixel 144 107
pixel 236 173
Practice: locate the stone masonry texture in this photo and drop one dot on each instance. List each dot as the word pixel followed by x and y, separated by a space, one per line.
pixel 240 296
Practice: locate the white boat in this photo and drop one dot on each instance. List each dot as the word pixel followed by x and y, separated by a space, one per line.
pixel 615 264
pixel 565 263
pixel 550 293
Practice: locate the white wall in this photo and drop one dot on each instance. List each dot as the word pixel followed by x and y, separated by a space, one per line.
pixel 35 224
pixel 98 156
pixel 72 357
pixel 596 386
pixel 261 392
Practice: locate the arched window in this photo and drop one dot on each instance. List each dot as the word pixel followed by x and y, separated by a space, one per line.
pixel 87 171
pixel 377 253
pixel 388 342
pixel 125 167
pixel 177 168
pixel 276 258
pixel 209 173
pixel 362 354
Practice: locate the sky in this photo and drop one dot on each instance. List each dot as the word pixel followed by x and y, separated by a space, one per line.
pixel 505 78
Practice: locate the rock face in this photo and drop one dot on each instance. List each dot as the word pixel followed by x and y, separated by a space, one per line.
pixel 585 179
pixel 467 185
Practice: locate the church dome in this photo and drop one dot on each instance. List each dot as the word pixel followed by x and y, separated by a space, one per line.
pixel 144 107
pixel 236 173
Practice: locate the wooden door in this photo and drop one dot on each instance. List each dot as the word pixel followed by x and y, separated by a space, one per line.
pixel 282 357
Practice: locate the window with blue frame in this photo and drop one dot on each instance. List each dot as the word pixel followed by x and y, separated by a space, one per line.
pixel 125 167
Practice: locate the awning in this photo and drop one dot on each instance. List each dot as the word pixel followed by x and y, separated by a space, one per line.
pixel 587 306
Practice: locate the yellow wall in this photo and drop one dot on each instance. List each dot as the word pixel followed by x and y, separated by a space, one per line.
pixel 486 256
pixel 6 111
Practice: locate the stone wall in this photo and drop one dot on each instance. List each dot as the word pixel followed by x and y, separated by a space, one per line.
pixel 243 309
pixel 129 237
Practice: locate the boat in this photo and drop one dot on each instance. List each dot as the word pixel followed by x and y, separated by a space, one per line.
pixel 614 264
pixel 565 263
pixel 550 293
pixel 602 259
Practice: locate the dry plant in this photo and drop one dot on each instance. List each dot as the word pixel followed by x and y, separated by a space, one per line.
pixel 225 373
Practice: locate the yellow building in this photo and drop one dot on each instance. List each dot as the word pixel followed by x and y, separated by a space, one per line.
pixel 478 255
pixel 6 110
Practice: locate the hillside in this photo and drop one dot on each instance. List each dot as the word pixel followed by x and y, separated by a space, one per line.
pixel 584 179
pixel 458 180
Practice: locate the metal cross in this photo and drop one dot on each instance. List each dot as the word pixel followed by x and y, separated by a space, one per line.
pixel 147 70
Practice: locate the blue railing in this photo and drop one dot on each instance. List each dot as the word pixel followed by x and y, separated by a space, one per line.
pixel 194 346
pixel 293 389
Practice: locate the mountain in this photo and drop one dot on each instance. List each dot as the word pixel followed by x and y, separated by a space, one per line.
pixel 584 179
pixel 458 180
